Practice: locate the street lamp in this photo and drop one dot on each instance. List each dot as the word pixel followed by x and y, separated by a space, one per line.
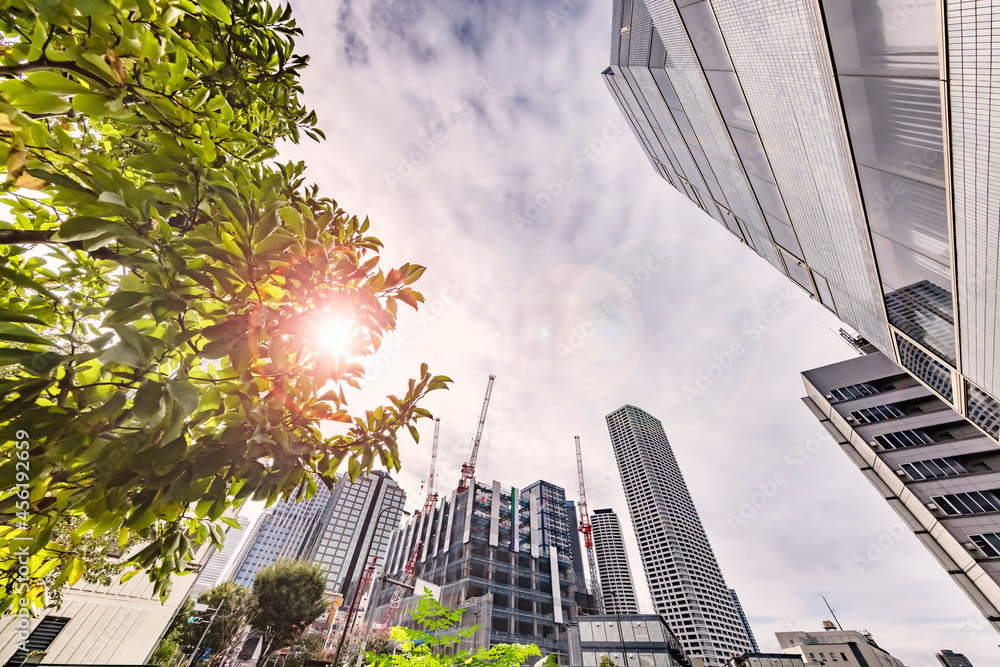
pixel 198 645
pixel 364 563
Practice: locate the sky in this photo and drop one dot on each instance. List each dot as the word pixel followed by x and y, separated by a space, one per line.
pixel 481 141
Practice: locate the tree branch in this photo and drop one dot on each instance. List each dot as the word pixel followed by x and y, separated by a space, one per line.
pixel 44 237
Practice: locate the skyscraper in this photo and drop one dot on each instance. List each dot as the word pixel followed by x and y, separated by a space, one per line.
pixel 214 568
pixel 949 658
pixel 743 617
pixel 367 509
pixel 684 579
pixel 617 589
pixel 283 531
pixel 842 142
pixel 935 469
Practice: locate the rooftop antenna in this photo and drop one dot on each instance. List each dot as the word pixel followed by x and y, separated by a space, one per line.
pixel 832 613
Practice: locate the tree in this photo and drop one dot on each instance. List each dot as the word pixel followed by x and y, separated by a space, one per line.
pixel 236 605
pixel 379 641
pixel 430 647
pixel 289 596
pixel 180 312
pixel 306 647
pixel 606 662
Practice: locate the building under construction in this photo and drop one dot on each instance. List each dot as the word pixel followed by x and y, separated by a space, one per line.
pixel 502 554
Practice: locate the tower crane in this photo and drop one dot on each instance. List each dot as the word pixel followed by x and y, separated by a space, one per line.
pixel 588 533
pixel 432 495
pixel 469 468
pixel 397 595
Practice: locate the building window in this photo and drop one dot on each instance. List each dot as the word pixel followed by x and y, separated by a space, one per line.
pixel 876 414
pixel 974 502
pixel 901 439
pixel 988 543
pixel 946 467
pixel 854 391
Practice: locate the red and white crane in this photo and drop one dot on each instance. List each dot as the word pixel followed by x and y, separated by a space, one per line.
pixel 432 495
pixel 397 595
pixel 469 468
pixel 588 533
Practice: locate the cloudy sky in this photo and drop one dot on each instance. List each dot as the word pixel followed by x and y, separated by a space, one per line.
pixel 481 141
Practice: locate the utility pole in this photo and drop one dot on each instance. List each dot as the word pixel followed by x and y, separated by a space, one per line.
pixel 198 646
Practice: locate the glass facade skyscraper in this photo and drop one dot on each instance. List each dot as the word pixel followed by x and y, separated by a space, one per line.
pixel 617 589
pixel 684 578
pixel 848 143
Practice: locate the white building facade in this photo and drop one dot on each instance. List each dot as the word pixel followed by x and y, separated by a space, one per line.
pixel 617 589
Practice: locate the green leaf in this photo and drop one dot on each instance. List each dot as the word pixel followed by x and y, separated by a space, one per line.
pixel 21 334
pixel 147 400
pixel 8 316
pixel 41 103
pixel 82 227
pixel 54 82
pixel 185 394
pixel 216 9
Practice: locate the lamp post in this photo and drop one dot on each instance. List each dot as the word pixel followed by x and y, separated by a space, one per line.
pixel 353 607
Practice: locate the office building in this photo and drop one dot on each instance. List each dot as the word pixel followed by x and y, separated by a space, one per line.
pixel 585 602
pixel 637 640
pixel 684 578
pixel 765 660
pixel 938 471
pixel 613 567
pixel 359 519
pixel 215 568
pixel 848 144
pixel 743 617
pixel 495 551
pixel 951 659
pixel 283 530
pixel 118 624
pixel 845 648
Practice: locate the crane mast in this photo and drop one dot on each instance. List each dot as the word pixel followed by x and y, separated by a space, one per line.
pixel 432 495
pixel 469 468
pixel 588 532
pixel 397 595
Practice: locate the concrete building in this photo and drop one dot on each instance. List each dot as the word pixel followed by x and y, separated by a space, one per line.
pixel 951 659
pixel 765 660
pixel 215 568
pixel 845 648
pixel 617 589
pixel 938 471
pixel 368 509
pixel 586 604
pixel 744 619
pixel 488 549
pixel 284 530
pixel 120 624
pixel 848 144
pixel 636 640
pixel 683 575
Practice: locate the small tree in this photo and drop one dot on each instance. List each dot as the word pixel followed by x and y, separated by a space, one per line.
pixel 288 597
pixel 304 648
pixel 433 645
pixel 606 662
pixel 379 641
pixel 236 605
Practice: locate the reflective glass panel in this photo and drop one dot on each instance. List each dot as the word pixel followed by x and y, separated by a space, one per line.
pixel 783 235
pixel 923 310
pixel 657 52
pixel 666 89
pixel 884 36
pixel 909 212
pixel 751 153
pixel 705 36
pixel 823 291
pixel 797 272
pixel 984 410
pixel 895 124
pixel 925 367
pixel 729 97
pixel 769 198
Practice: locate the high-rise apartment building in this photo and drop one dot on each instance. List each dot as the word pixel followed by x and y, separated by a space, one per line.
pixel 284 530
pixel 617 589
pixel 489 551
pixel 939 472
pixel 360 513
pixel 212 571
pixel 848 143
pixel 743 617
pixel 684 579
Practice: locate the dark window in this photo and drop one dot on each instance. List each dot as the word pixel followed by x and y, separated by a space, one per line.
pixel 39 639
pixel 989 543
pixel 974 502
